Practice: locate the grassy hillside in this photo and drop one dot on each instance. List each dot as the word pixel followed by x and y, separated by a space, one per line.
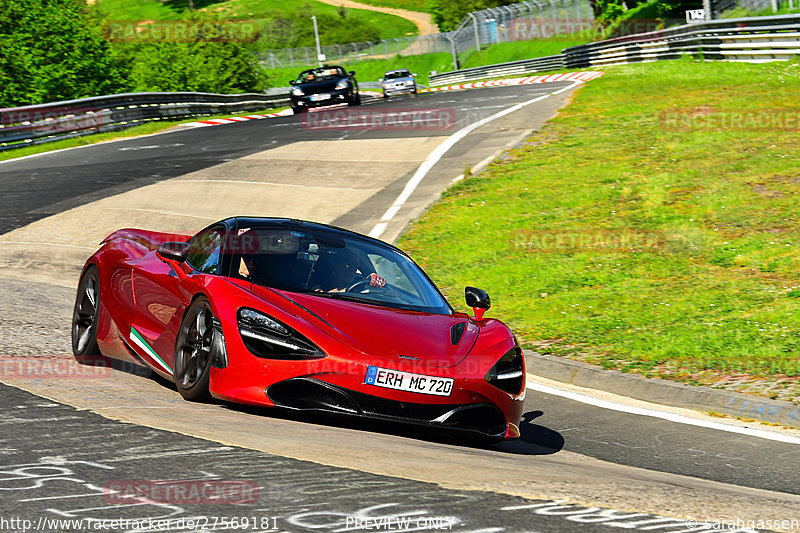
pixel 389 25
pixel 698 177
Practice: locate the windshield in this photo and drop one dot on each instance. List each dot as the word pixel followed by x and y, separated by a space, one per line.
pixel 397 74
pixel 320 74
pixel 329 265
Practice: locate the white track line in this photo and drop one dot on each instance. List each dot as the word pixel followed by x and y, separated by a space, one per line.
pixel 664 415
pixel 442 149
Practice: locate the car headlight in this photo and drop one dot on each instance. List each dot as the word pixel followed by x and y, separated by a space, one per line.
pixel 410 82
pixel 508 373
pixel 297 91
pixel 343 84
pixel 266 337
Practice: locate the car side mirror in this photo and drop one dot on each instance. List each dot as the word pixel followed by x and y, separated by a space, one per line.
pixel 478 300
pixel 415 74
pixel 292 82
pixel 173 254
pixel 173 251
pixel 352 73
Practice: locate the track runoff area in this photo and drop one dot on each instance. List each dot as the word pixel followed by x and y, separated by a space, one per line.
pixel 123 447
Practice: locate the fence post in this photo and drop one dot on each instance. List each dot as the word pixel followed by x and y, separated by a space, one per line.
pixel 291 59
pixel 475 25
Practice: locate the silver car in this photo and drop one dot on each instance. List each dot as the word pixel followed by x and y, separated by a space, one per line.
pixel 399 81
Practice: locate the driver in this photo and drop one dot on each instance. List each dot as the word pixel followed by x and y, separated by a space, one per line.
pixel 343 273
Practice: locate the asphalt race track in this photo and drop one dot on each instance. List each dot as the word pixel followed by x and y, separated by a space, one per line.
pixel 577 467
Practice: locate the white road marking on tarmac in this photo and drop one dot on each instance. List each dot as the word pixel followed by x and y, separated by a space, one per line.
pixel 664 415
pixel 442 149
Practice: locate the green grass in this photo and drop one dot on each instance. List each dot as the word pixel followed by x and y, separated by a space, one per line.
pixel 718 294
pixel 136 131
pixel 514 51
pixel 259 10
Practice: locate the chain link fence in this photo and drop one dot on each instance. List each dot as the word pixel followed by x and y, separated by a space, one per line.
pixel 523 21
pixel 727 8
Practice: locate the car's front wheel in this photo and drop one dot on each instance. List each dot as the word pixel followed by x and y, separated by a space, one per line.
pixel 193 351
pixel 85 313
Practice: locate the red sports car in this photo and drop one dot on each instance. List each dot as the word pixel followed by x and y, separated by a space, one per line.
pixel 300 315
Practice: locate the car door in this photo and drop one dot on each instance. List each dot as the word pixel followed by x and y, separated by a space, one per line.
pixel 161 296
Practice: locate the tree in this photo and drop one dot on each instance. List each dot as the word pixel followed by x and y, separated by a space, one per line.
pixel 53 50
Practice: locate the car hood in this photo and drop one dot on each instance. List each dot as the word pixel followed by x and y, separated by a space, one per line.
pixel 393 80
pixel 386 333
pixel 319 87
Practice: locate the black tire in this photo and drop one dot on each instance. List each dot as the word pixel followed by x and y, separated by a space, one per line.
pixel 85 313
pixel 297 110
pixel 194 351
pixel 355 99
pixel 385 96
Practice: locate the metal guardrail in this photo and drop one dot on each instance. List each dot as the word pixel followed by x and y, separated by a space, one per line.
pixel 752 39
pixel 28 125
pixel 539 64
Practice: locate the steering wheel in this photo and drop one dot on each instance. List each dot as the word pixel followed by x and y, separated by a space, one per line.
pixel 357 283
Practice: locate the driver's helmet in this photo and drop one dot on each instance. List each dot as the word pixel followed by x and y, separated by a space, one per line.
pixel 310 76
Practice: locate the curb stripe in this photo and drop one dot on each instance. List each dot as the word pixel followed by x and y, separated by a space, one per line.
pixel 568 76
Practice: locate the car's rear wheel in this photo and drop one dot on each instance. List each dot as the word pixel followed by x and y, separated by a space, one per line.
pixel 298 109
pixel 85 313
pixel 193 351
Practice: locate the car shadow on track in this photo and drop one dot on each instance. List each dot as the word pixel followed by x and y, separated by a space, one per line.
pixel 535 439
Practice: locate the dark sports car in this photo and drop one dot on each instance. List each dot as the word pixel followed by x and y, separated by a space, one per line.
pixel 299 315
pixel 322 86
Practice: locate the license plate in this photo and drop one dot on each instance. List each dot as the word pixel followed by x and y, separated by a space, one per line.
pixel 406 381
pixel 318 97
